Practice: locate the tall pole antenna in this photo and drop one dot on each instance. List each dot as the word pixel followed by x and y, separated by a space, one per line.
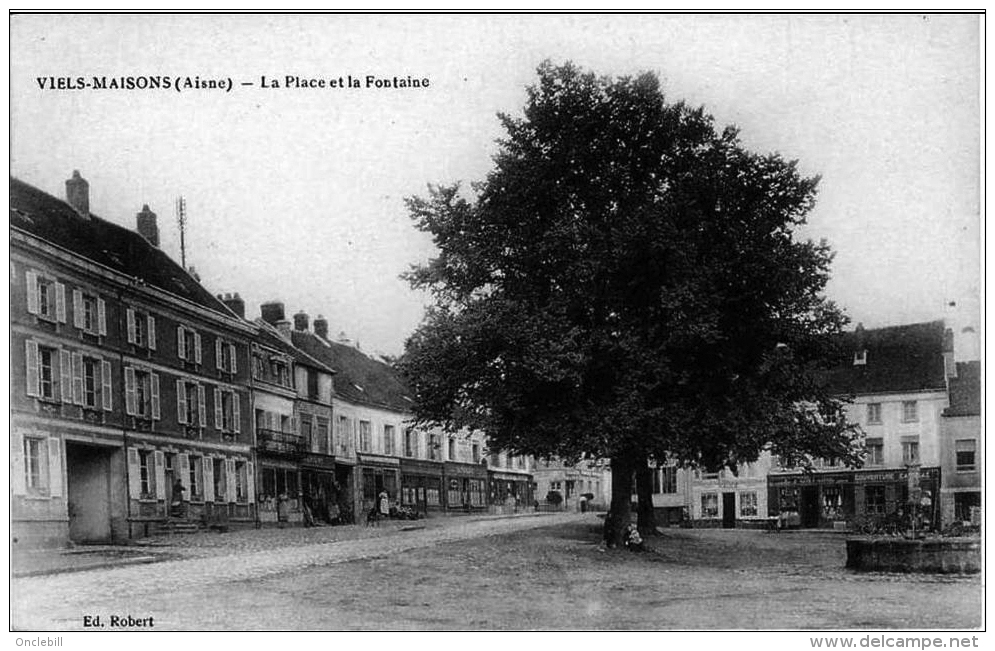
pixel 181 220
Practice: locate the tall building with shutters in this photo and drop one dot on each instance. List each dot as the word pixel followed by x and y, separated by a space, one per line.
pixel 129 381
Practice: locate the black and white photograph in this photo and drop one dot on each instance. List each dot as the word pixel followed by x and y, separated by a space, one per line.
pixel 489 322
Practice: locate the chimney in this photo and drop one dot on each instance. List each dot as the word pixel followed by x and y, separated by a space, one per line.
pixel 272 312
pixel 321 327
pixel 284 327
pixel 949 361
pixel 301 321
pixel 146 225
pixel 234 303
pixel 78 194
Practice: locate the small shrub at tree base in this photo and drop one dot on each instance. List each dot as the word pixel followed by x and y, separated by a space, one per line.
pixel 554 498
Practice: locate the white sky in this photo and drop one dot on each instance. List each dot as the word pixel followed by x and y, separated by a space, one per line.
pixel 297 194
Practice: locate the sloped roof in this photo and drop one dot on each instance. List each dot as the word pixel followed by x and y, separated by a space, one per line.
pixel 965 391
pixel 269 336
pixel 899 358
pixel 103 242
pixel 358 378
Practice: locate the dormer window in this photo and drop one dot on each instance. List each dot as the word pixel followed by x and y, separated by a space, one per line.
pixel 860 357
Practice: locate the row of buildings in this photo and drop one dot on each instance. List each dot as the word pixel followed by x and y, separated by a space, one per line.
pixel 139 400
pixel 920 414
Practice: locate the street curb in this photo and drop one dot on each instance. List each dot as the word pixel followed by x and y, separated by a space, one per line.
pixel 141 560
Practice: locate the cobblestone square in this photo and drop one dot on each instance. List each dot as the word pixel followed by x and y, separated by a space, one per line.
pixel 537 572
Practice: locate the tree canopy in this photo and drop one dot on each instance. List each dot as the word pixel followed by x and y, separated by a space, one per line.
pixel 626 283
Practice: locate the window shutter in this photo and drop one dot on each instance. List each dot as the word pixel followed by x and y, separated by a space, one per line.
pixel 160 475
pixel 31 354
pixel 60 302
pixel 236 410
pixel 196 347
pixel 134 474
pixel 105 389
pixel 17 469
pixel 250 481
pixel 208 464
pixel 101 317
pixel 77 308
pixel 230 476
pixel 234 361
pixel 33 307
pixel 131 326
pixel 54 467
pixel 181 402
pixel 201 406
pixel 181 343
pixel 155 395
pixel 78 378
pixel 218 416
pixel 218 353
pixel 66 373
pixel 185 472
pixel 151 333
pixel 129 391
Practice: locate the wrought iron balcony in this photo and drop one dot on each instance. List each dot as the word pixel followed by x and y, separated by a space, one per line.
pixel 277 442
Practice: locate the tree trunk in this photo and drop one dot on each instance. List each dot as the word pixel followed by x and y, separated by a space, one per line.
pixel 645 516
pixel 618 514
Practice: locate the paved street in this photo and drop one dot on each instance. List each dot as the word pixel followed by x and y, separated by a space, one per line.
pixel 543 572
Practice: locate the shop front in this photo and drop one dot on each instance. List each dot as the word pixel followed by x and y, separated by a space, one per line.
pixel 466 486
pixel 319 488
pixel 421 485
pixel 510 490
pixel 842 499
pixel 378 474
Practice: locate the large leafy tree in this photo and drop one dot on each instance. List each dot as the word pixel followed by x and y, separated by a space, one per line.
pixel 626 285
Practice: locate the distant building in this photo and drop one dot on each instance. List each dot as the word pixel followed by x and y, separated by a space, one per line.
pixel 896 378
pixel 573 481
pixel 961 447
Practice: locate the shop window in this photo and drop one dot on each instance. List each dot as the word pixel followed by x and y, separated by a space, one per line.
pixel 965 450
pixel 910 411
pixel 874 499
pixel 874 413
pixel 35 465
pixel 432 493
pixel 874 453
pixel 747 505
pixel 710 505
pixel 832 502
pixel 788 499
pixel 454 498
